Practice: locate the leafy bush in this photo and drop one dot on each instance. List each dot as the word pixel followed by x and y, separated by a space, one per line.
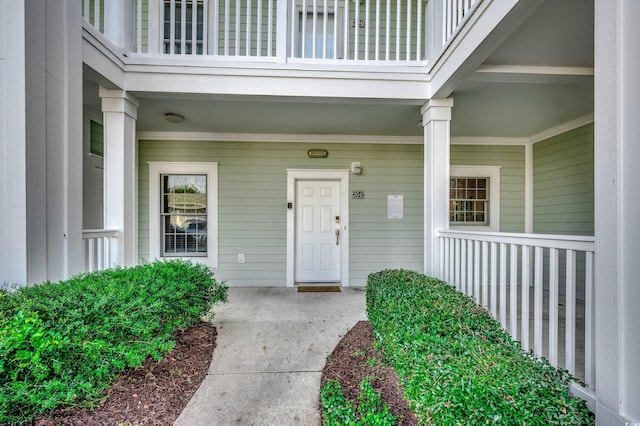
pixel 63 343
pixel 370 411
pixel 456 364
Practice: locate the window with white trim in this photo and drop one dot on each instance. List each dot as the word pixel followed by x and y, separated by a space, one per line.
pixel 184 215
pixel 183 211
pixel 469 201
pixel 474 198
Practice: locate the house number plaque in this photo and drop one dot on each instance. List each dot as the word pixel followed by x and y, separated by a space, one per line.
pixel 357 195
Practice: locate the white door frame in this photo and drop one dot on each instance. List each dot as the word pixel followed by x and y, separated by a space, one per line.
pixel 340 175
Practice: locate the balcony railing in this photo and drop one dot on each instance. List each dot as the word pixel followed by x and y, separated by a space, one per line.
pixel 506 272
pixel 385 31
pixel 97 248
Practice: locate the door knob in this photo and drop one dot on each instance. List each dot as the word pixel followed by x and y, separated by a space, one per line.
pixel 337 236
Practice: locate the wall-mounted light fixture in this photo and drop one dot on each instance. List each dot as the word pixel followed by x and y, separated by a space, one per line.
pixel 318 153
pixel 356 168
pixel 173 118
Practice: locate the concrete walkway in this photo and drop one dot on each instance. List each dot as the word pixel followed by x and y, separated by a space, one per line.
pixel 271 347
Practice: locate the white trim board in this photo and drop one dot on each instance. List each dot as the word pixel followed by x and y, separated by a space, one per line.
pixel 341 175
pixel 471 140
pixel 562 128
pixel 279 137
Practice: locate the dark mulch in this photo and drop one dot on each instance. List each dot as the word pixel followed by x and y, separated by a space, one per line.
pixel 157 392
pixel 355 358
pixel 153 394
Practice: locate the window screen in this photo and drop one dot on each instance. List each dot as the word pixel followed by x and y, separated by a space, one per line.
pixel 184 215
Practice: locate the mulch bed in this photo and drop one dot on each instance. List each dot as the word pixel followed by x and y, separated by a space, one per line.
pixel 356 358
pixel 157 392
pixel 153 394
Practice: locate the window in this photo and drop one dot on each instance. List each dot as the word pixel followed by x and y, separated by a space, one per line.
pixel 174 20
pixel 183 211
pixel 468 201
pixel 184 215
pixel 474 198
pixel 321 38
pixel 96 134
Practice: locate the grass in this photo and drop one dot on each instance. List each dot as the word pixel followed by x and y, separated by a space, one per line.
pixel 62 344
pixel 456 364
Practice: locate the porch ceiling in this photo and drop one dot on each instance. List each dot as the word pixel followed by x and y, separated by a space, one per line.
pixel 277 115
pixel 539 77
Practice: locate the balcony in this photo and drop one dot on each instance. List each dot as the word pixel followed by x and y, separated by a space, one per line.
pixel 370 32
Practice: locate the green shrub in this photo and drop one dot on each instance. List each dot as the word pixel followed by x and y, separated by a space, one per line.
pixel 370 411
pixel 456 364
pixel 63 343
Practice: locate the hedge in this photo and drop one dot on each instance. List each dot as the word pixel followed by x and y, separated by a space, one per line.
pixel 455 362
pixel 64 343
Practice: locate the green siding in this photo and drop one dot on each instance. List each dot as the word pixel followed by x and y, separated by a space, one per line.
pixel 96 131
pixel 252 197
pixel 512 175
pixel 563 183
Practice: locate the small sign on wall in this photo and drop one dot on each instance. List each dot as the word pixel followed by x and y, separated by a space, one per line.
pixel 395 207
pixel 357 195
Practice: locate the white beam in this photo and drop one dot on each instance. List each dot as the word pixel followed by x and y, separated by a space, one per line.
pixel 13 167
pixel 436 119
pixel 629 176
pixel 617 131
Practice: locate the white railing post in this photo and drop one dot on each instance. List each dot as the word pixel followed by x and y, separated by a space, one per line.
pixel 281 31
pixel 537 300
pixel 476 272
pixel 513 288
pixel 493 303
pixel 469 290
pixel 503 285
pixel 553 306
pixel 485 274
pixel 524 311
pixel 589 324
pixel 570 303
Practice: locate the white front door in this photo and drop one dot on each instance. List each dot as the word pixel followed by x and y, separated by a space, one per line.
pixel 317 225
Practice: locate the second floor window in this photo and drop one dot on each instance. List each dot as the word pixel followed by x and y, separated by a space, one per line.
pixel 183 27
pixel 316 35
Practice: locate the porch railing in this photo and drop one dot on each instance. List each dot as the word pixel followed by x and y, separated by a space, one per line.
pixel 504 271
pixel 281 30
pixel 97 248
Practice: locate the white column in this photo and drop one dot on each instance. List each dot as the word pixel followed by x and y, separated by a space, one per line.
pixel 120 111
pixel 13 166
pixel 119 22
pixel 617 201
pixel 436 119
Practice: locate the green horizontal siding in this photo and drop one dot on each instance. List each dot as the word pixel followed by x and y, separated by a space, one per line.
pixel 512 176
pixel 563 179
pixel 252 197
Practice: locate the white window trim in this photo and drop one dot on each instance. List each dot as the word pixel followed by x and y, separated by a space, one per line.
pixel 156 169
pixel 493 173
